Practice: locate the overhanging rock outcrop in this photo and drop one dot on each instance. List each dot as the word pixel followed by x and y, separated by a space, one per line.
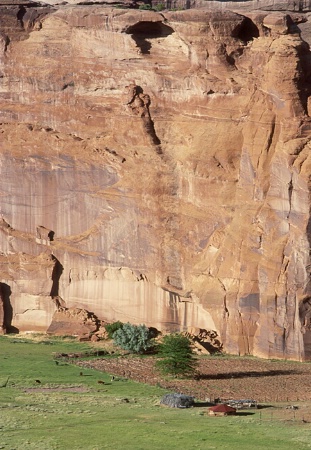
pixel 169 156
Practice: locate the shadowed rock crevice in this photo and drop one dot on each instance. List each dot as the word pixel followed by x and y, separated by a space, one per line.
pixel 4 42
pixel 20 15
pixel 303 82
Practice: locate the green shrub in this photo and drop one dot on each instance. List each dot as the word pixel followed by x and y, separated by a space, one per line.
pixel 145 6
pixel 159 7
pixel 112 327
pixel 135 338
pixel 177 357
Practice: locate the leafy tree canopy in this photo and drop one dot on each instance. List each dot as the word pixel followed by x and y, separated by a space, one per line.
pixel 112 327
pixel 176 355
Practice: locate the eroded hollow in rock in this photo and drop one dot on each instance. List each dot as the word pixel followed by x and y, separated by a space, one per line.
pixel 246 31
pixel 143 32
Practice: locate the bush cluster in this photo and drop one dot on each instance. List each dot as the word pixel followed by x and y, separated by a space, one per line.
pixel 134 338
pixel 175 352
pixel 112 327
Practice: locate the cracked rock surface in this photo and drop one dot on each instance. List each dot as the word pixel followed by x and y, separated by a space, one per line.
pixel 155 168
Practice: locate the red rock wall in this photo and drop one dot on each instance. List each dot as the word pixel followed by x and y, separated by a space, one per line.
pixel 181 202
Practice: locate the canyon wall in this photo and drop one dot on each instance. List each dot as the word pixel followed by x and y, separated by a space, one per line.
pixel 155 169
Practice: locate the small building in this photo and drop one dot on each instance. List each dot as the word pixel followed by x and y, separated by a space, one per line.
pixel 222 410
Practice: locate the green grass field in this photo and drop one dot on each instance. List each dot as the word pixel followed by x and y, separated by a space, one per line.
pixel 69 411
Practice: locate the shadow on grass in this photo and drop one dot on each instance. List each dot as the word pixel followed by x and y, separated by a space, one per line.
pixel 78 355
pixel 230 375
pixel 265 406
pixel 203 405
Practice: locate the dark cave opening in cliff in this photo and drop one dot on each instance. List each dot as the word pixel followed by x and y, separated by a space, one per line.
pixel 142 32
pixel 246 31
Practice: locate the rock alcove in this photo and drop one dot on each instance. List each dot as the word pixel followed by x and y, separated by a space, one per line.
pixel 144 32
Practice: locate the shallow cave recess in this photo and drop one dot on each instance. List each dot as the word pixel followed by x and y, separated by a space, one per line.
pixel 143 33
pixel 246 31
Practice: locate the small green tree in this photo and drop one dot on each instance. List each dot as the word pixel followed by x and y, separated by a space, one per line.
pixel 135 338
pixel 176 356
pixel 112 327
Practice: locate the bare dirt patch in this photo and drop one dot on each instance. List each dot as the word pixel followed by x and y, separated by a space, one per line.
pixel 47 390
pixel 263 380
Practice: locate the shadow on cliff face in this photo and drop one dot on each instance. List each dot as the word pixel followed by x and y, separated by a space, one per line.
pixel 142 32
pixel 56 274
pixel 230 375
pixel 7 307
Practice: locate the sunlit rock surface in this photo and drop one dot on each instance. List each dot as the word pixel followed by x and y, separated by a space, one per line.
pixel 155 169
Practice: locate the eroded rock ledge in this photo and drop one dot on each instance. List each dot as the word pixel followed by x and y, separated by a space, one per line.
pixel 155 169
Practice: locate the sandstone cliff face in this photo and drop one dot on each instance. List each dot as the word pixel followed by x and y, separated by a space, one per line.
pixel 155 169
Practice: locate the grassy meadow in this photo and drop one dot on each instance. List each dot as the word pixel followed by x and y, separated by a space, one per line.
pixel 49 406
